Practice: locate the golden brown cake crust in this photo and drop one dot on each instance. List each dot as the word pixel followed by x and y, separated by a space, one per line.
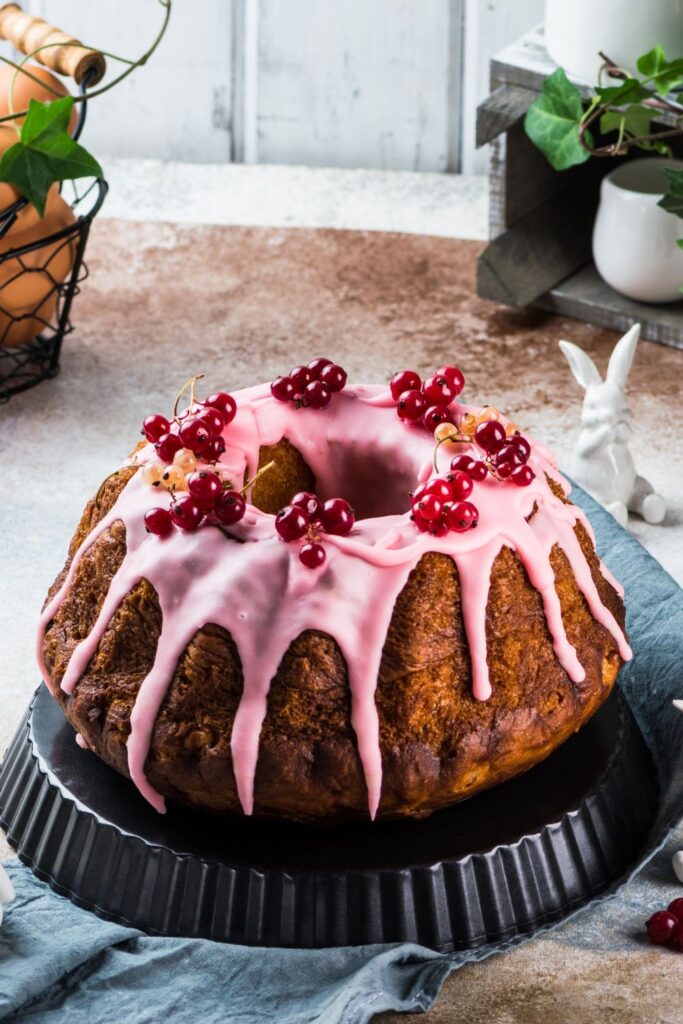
pixel 438 743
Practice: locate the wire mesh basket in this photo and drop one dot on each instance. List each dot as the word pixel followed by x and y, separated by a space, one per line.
pixel 39 279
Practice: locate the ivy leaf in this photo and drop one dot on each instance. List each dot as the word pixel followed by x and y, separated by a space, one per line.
pixel 46 153
pixel 634 121
pixel 629 91
pixel 552 122
pixel 672 201
pixel 665 75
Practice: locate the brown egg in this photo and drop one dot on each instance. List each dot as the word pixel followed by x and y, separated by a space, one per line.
pixel 8 193
pixel 26 89
pixel 28 282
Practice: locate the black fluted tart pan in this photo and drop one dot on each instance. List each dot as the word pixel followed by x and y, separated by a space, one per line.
pixel 500 865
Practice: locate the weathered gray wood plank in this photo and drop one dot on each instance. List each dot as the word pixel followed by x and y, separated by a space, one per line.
pixel 541 249
pixel 585 296
pixel 507 104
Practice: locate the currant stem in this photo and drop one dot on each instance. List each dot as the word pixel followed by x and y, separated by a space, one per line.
pixel 454 439
pixel 257 476
pixel 188 384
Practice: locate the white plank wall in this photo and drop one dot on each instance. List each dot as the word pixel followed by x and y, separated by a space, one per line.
pixel 388 84
pixel 489 25
pixel 359 83
pixel 178 107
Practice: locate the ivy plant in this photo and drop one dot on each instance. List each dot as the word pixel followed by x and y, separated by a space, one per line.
pixel 559 122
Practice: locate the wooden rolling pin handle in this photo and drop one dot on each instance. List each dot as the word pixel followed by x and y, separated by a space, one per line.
pixel 27 32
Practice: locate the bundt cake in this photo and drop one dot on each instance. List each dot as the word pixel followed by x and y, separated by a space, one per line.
pixel 231 634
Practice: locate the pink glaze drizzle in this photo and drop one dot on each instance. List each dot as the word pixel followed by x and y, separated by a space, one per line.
pixel 262 595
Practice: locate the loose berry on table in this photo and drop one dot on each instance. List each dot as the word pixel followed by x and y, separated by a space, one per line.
pixel 662 927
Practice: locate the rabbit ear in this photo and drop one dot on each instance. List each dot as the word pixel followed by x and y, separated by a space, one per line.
pixel 622 357
pixel 581 364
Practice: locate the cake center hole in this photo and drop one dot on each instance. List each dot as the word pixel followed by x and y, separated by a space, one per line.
pixel 375 483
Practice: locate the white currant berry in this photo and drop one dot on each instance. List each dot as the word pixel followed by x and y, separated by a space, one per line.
pixel 153 473
pixel 185 460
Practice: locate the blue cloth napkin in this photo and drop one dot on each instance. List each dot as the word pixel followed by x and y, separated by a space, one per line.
pixel 59 963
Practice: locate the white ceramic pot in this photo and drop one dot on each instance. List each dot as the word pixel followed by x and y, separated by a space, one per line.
pixel 623 29
pixel 634 239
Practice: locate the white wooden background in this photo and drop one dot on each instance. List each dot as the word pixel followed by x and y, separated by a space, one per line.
pixel 348 83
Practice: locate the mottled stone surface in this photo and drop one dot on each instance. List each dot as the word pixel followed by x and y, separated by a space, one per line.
pixel 242 304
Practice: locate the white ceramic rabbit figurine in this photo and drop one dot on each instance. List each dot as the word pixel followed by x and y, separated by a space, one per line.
pixel 6 890
pixel 602 463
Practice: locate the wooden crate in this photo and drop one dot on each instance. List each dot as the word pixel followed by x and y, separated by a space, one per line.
pixel 541 220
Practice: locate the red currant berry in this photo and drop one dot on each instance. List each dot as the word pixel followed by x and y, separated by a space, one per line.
pixel 411 405
pixel 334 377
pixel 309 502
pixel 154 426
pixel 677 940
pixel 454 377
pixel 186 513
pixel 430 507
pixel 225 404
pixel 300 376
pixel 213 420
pixel 167 446
pixel 676 908
pixel 316 395
pixel 521 475
pixel 462 464
pixel 438 391
pixel 509 453
pixel 422 524
pixel 283 389
pixel 436 414
pixel 158 521
pixel 312 555
pixel 214 450
pixel 522 445
pixel 490 436
pixel 439 487
pixel 460 515
pixel 504 471
pixel 316 366
pixel 479 471
pixel 438 527
pixel 229 507
pixel 291 522
pixel 404 380
pixel 204 486
pixel 337 516
pixel 195 436
pixel 417 493
pixel 461 485
pixel 662 927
